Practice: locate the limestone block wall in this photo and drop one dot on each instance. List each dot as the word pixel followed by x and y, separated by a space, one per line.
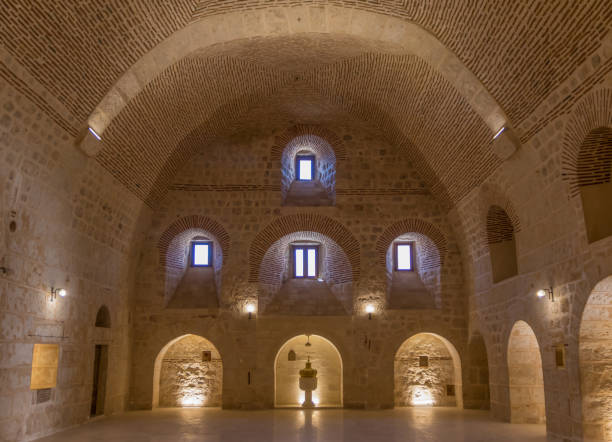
pixel 64 222
pixel 188 377
pixel 552 246
pixel 424 368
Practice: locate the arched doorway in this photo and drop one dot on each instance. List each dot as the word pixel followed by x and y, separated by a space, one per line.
pixel 292 357
pixel 427 372
pixel 525 377
pixel 188 373
pixel 595 358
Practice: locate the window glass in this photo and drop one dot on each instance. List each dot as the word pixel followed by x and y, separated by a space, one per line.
pixel 299 263
pixel 312 263
pixel 404 256
pixel 201 254
pixel 305 169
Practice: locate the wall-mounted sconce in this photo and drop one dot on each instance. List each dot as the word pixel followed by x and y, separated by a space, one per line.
pixel 546 292
pixel 57 291
pixel 369 310
pixel 250 308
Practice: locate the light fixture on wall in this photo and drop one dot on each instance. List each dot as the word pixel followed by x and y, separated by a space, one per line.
pixel 546 292
pixel 369 310
pixel 308 344
pixel 250 308
pixel 57 291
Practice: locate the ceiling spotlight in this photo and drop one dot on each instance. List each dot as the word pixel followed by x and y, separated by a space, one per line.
pixel 95 134
pixel 499 132
pixel 546 292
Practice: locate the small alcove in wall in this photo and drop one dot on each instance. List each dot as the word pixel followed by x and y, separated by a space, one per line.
pixel 502 244
pixel 413 272
pixel 305 273
pixel 308 172
pixel 191 251
pixel 594 169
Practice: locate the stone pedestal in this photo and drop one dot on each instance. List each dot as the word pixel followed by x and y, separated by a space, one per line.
pixel 308 383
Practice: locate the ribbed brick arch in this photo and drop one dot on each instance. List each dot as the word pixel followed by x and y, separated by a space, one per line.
pixel 196 223
pixel 493 196
pixel 586 151
pixel 314 134
pixel 499 225
pixel 419 226
pixel 307 222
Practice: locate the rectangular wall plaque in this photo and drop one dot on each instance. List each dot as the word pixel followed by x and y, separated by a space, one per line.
pixel 45 359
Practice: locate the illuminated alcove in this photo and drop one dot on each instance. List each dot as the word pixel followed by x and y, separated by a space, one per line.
pixel 188 373
pixel 292 357
pixel 525 377
pixel 427 372
pixel 595 356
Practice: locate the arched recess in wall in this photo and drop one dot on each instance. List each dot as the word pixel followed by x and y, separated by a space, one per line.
pixel 188 372
pixel 502 244
pixel 185 285
pixel 476 390
pixel 525 376
pixel 324 357
pixel 178 62
pixel 427 372
pixel 587 161
pixel 103 318
pixel 314 143
pixel 595 359
pixel 329 293
pixel 305 222
pixel 421 287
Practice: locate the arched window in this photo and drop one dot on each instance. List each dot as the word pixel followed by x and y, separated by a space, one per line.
pixel 308 172
pixel 594 167
pixel 502 246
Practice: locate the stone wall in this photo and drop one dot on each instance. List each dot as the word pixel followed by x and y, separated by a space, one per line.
pixel 188 377
pixel 65 222
pixel 424 370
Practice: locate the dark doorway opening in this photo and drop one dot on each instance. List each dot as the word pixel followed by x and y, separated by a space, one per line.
pixel 99 380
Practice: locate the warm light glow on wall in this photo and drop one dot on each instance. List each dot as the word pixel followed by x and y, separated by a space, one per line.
pixel 192 400
pixel 422 396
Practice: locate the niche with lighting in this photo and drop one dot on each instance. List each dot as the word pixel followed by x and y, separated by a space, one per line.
pixel 189 373
pixel 427 372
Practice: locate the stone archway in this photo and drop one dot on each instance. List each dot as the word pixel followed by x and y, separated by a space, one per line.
pixel 188 372
pixel 325 358
pixel 595 359
pixel 427 372
pixel 525 376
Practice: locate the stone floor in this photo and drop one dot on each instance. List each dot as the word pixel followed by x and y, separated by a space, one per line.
pixel 199 424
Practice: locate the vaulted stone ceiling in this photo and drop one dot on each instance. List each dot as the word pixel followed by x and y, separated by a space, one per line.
pixel 519 50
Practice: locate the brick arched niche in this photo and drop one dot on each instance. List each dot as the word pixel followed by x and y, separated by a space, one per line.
pixel 502 244
pixel 319 142
pixel 324 357
pixel 188 372
pixel 422 287
pixel 330 294
pixel 306 222
pixel 525 376
pixel 595 359
pixel 174 248
pixel 587 161
pixel 427 372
